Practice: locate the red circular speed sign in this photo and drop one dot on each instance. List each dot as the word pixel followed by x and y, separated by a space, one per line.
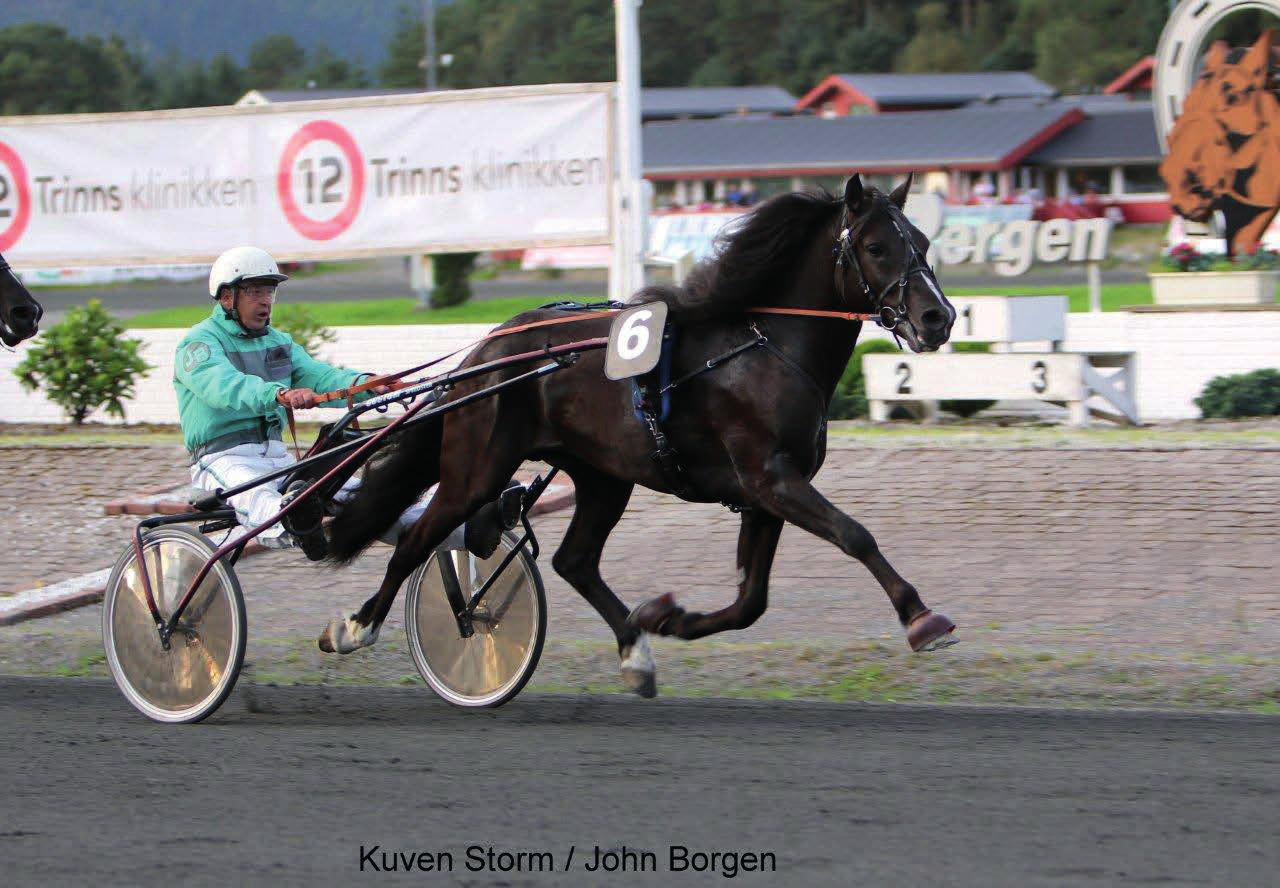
pixel 317 229
pixel 13 220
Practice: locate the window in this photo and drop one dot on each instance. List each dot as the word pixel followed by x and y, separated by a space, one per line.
pixel 1086 179
pixel 834 184
pixel 766 188
pixel 1143 180
pixel 664 194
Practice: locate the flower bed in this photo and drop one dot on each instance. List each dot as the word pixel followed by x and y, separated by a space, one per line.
pixel 1186 276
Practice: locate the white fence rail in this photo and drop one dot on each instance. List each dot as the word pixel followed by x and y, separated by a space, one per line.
pixel 1175 354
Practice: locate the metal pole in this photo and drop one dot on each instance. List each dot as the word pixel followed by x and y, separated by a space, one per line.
pixel 1094 273
pixel 429 23
pixel 627 272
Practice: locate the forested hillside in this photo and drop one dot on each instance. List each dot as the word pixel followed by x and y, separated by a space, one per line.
pixel 200 29
pixel 103 55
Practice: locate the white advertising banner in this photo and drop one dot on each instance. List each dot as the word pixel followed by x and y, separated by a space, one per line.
pixel 437 172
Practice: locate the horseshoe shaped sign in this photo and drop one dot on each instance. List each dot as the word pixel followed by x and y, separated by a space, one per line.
pixel 635 340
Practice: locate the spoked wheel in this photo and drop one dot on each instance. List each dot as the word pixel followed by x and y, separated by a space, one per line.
pixel 195 675
pixel 492 665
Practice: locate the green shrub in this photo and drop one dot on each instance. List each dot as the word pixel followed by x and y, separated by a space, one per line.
pixel 452 278
pixel 306 329
pixel 850 399
pixel 965 409
pixel 1242 394
pixel 83 363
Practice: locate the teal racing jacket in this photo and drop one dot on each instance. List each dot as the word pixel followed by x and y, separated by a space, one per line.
pixel 227 382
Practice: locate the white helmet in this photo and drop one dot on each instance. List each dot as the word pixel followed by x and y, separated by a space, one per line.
pixel 242 264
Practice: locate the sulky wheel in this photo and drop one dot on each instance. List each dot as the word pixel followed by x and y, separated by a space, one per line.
pixel 492 665
pixel 195 675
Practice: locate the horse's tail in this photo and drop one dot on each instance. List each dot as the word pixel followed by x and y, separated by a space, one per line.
pixel 392 483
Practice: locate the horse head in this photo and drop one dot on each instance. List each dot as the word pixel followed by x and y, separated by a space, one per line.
pixel 19 313
pixel 1197 167
pixel 1241 88
pixel 881 267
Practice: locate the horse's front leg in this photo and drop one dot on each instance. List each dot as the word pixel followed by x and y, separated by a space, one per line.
pixel 757 543
pixel 780 489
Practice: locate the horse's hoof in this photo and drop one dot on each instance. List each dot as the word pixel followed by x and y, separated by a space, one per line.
pixel 655 615
pixel 345 636
pixel 639 672
pixel 930 631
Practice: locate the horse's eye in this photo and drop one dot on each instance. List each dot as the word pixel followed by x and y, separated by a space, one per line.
pixel 876 250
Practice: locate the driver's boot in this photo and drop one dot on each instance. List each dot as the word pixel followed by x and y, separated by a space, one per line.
pixel 304 522
pixel 484 529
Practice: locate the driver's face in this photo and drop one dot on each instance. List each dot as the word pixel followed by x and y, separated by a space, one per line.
pixel 254 301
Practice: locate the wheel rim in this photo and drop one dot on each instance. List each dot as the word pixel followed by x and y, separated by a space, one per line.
pixel 484 668
pixel 179 684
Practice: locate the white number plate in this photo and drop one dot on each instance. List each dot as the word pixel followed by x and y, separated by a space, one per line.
pixel 635 341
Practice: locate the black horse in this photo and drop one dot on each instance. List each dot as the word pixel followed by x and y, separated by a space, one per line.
pixel 19 313
pixel 751 433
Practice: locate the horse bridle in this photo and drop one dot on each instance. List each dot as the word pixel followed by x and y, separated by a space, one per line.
pixel 887 316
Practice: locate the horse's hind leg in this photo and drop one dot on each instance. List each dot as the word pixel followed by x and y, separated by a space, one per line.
pixel 453 503
pixel 784 492
pixel 601 500
pixel 757 543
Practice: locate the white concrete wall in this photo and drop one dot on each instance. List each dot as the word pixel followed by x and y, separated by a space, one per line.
pixel 377 349
pixel 1177 353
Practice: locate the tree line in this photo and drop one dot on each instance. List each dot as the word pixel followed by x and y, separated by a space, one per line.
pixel 790 43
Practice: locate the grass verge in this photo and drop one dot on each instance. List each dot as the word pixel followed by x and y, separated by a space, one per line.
pixel 394 312
pixel 976 673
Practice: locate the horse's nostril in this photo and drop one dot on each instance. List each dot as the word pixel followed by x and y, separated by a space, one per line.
pixel 933 317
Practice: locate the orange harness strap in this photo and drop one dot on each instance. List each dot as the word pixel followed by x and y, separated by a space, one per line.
pixel 813 312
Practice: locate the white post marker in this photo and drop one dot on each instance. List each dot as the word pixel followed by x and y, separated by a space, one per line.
pixel 627 272
pixel 422 278
pixel 1094 271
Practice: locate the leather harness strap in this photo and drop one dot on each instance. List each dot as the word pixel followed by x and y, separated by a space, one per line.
pixel 392 380
pixel 812 312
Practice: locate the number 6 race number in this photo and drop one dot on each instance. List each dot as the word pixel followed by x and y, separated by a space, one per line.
pixel 635 341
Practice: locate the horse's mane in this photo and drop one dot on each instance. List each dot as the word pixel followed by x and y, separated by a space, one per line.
pixel 749 258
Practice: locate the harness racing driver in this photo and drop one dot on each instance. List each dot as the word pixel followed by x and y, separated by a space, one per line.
pixel 234 374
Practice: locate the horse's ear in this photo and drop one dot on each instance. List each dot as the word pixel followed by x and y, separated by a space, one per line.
pixel 1215 58
pixel 854 194
pixel 899 194
pixel 1258 59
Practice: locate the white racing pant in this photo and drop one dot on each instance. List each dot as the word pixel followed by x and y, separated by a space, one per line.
pixel 244 462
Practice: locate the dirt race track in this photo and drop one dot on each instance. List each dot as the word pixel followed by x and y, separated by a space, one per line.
pixel 841 795
pixel 1082 574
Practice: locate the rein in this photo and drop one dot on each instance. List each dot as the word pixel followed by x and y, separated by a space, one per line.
pixel 393 383
pixel 391 380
